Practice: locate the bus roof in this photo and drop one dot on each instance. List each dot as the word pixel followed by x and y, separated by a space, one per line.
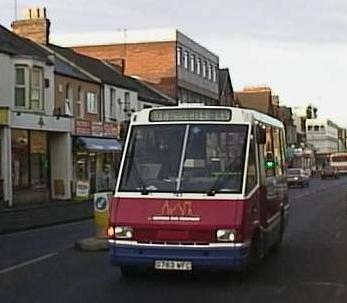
pixel 238 115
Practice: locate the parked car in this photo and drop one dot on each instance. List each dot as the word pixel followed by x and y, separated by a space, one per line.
pixel 298 177
pixel 329 171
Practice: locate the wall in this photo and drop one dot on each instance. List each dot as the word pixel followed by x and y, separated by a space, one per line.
pixel 6 83
pixel 60 89
pixel 119 108
pixel 191 80
pixel 61 165
pixel 152 61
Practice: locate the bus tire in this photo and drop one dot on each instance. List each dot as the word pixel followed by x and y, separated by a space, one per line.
pixel 128 272
pixel 255 254
pixel 277 245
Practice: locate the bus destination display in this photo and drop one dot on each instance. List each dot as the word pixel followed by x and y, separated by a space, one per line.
pixel 190 114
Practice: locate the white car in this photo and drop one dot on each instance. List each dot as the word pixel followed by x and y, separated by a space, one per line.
pixel 298 177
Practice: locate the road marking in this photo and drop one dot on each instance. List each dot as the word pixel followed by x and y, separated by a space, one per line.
pixel 32 261
pixel 327 284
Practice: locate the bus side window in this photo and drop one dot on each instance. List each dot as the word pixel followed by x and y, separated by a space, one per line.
pixel 277 152
pixel 268 153
pixel 283 150
pixel 252 168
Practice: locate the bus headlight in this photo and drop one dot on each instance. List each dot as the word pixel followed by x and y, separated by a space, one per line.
pixel 123 232
pixel 226 235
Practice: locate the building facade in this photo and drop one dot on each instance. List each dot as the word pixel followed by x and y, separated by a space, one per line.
pixel 323 135
pixel 257 98
pixel 167 59
pixel 35 144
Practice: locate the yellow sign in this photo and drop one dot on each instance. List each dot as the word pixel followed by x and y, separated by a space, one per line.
pixel 4 116
pixel 101 207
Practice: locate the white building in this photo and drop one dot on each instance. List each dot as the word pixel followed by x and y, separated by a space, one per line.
pixel 323 135
pixel 35 158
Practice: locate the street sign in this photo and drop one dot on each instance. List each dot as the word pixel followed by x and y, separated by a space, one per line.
pixel 101 207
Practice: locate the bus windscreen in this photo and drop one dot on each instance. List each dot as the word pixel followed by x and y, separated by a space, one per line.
pixel 183 158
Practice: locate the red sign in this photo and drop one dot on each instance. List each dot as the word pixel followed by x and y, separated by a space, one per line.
pixel 82 127
pixel 110 129
pixel 98 129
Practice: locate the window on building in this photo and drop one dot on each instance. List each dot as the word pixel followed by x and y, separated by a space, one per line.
pixel 29 87
pixel 186 59
pixel 192 63
pixel 309 127
pixel 179 56
pixel 316 128
pixel 204 69
pixel 127 101
pixel 36 89
pixel 38 159
pixel 80 103
pixel 209 72
pixel 92 103
pixel 214 74
pixel 113 103
pixel 21 90
pixel 198 66
pixel 68 99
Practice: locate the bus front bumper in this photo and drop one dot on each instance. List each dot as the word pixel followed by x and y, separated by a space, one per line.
pixel 223 256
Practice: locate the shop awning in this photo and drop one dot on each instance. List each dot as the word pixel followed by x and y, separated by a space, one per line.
pixel 98 144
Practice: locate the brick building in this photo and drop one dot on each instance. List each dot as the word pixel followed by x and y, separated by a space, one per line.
pixel 258 98
pixel 167 59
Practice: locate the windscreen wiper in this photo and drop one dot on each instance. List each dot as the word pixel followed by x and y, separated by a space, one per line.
pixel 220 180
pixel 139 179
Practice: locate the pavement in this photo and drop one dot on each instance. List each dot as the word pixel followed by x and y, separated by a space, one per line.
pixel 28 216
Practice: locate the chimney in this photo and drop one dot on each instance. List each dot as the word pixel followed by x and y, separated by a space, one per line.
pixel 34 26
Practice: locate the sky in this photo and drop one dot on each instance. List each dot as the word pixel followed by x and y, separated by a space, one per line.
pixel 296 47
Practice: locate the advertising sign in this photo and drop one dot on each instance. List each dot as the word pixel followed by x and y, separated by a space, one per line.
pixel 82 189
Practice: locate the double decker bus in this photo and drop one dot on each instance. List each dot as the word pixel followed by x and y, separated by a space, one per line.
pixel 199 187
pixel 339 162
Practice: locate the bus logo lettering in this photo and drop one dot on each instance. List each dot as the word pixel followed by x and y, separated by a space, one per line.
pixel 179 212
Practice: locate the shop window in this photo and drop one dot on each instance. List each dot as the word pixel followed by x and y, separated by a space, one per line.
pixel 20 160
pixel 38 159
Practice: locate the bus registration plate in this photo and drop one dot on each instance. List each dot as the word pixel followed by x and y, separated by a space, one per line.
pixel 173 265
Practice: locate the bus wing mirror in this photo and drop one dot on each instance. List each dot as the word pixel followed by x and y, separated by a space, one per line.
pixel 261 135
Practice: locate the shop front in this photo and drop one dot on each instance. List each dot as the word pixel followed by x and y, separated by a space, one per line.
pixel 95 160
pixel 30 165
